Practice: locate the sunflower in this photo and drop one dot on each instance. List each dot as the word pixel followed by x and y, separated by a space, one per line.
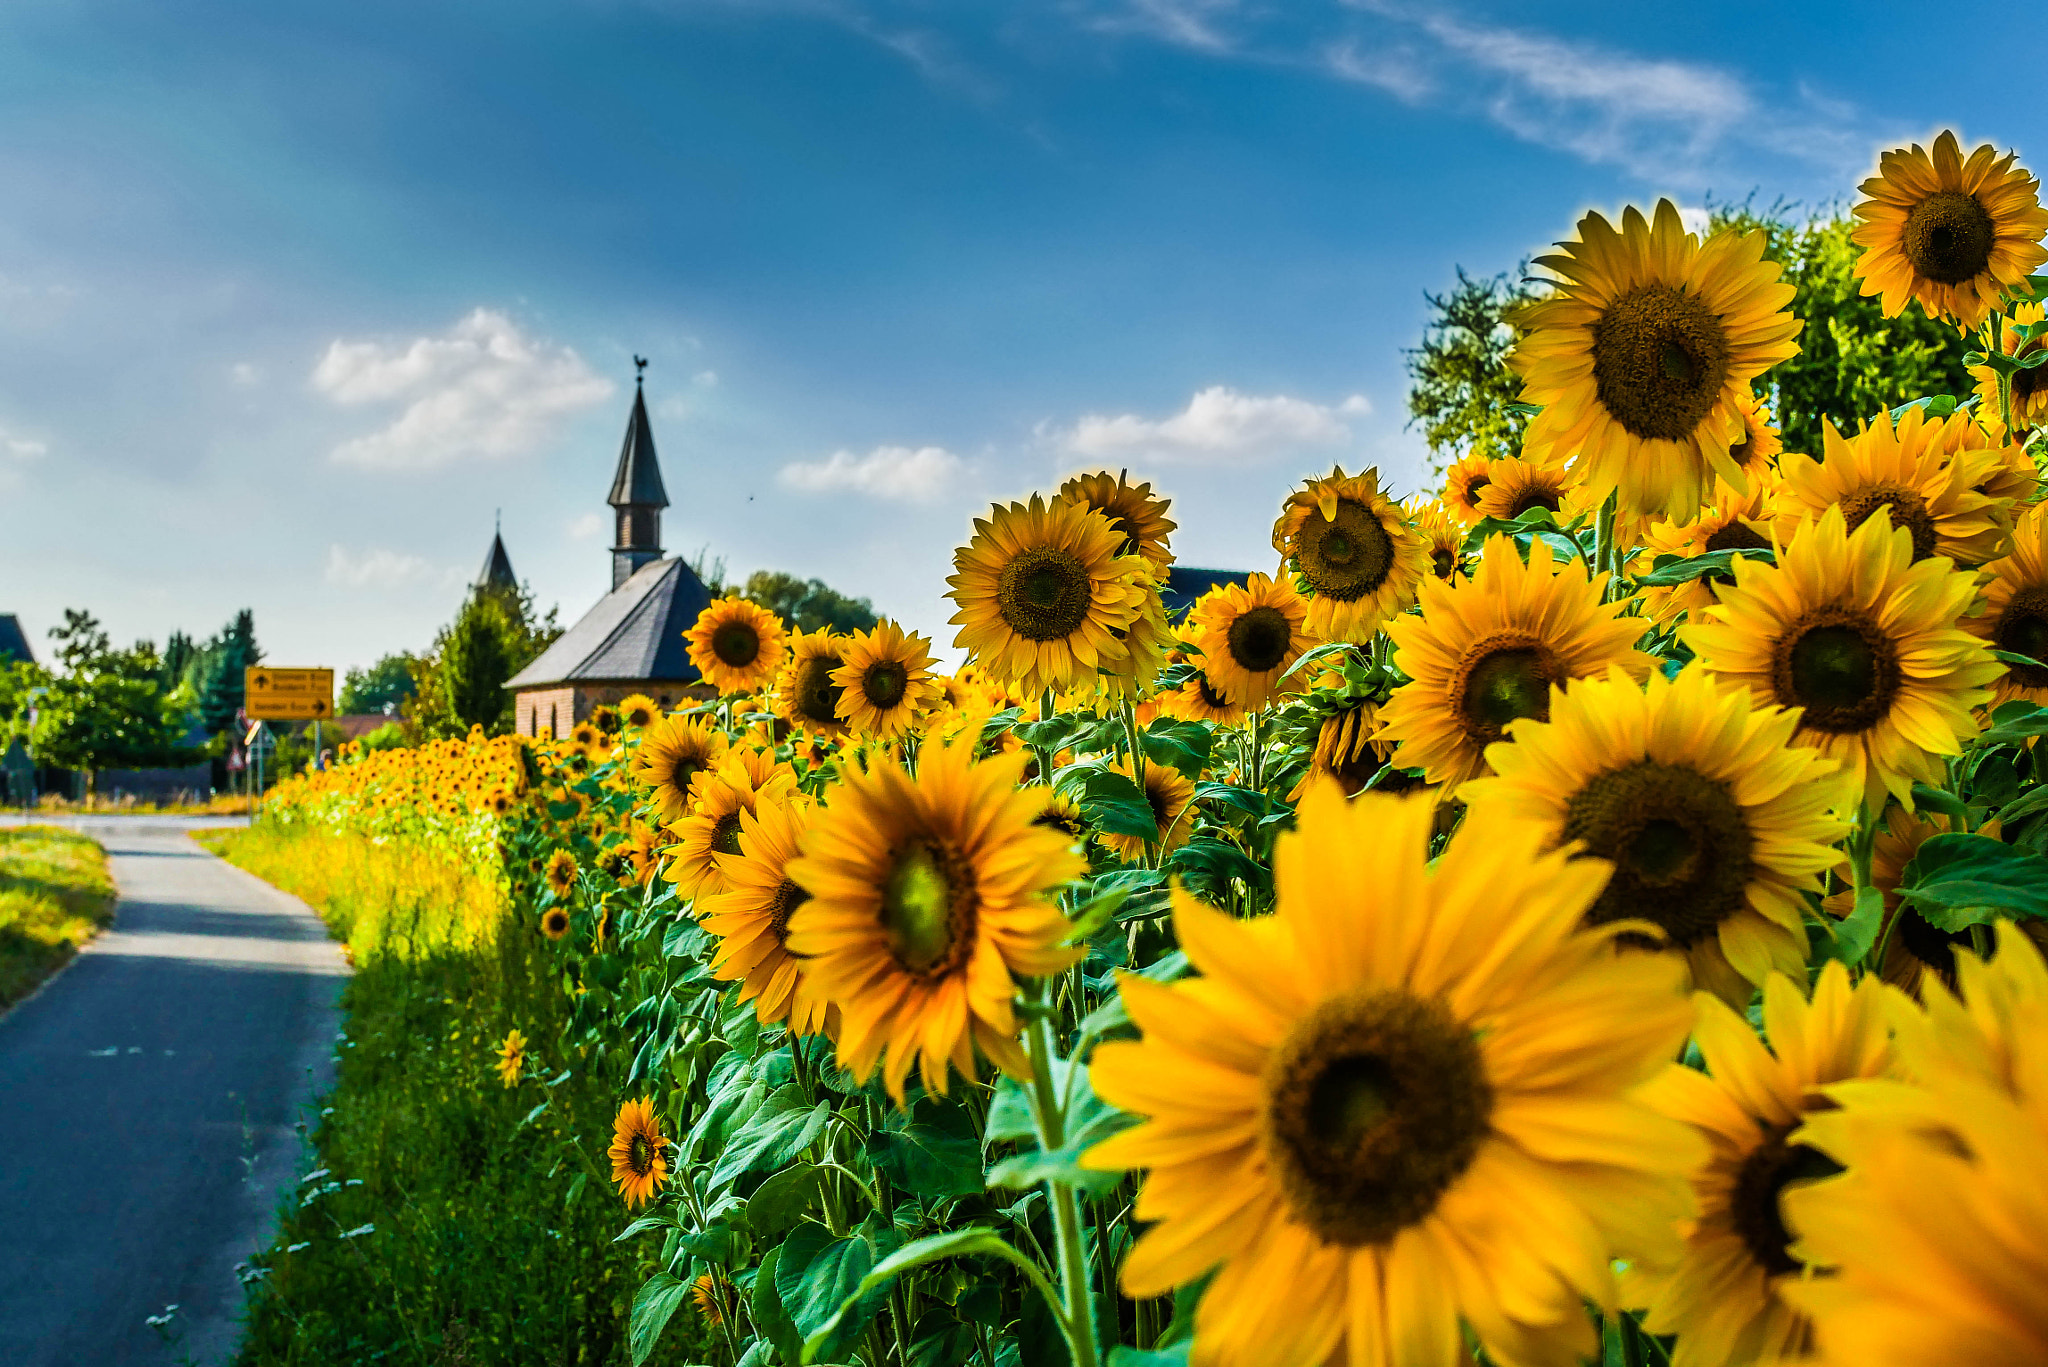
pixel 1463 483
pixel 1849 629
pixel 511 1058
pixel 638 711
pixel 1760 445
pixel 673 751
pixel 927 895
pixel 1042 592
pixel 1345 749
pixel 639 1152
pixel 2014 613
pixel 1146 640
pixel 1489 649
pixel 1352 554
pixel 1061 813
pixel 1518 485
pixel 554 923
pixel 1908 470
pixel 499 802
pixel 805 695
pixel 736 645
pixel 884 680
pixel 585 736
pixel 561 873
pixel 1170 794
pixel 1716 824
pixel 1249 633
pixel 2011 477
pixel 1196 699
pixel 606 719
pixel 712 828
pixel 1642 359
pixel 1732 522
pixel 1722 1299
pixel 1401 1103
pixel 1131 509
pixel 711 1294
pixel 750 917
pixel 1949 233
pixel 1936 1236
pixel 1442 531
pixel 2021 336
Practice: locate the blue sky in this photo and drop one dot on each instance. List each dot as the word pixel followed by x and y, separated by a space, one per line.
pixel 294 297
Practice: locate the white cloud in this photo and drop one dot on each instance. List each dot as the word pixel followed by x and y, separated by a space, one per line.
pixel 22 448
pixel 243 373
pixel 705 379
pixel 904 474
pixel 585 527
pixel 376 567
pixel 1219 424
pixel 482 390
pixel 1397 71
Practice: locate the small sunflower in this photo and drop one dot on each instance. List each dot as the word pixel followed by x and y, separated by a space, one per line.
pixel 561 873
pixel 1170 794
pixel 750 916
pixel 1443 534
pixel 606 719
pixel 1488 650
pixel 1722 1300
pixel 1352 553
pixel 672 753
pixel 1733 522
pixel 1196 699
pixel 1132 511
pixel 1043 591
pixel 1717 825
pixel 805 695
pixel 712 1296
pixel 1643 358
pixel 1761 443
pixel 1146 640
pixel 499 802
pixel 885 680
pixel 585 736
pixel 1063 814
pixel 1464 482
pixel 928 896
pixel 1518 485
pixel 554 923
pixel 639 1152
pixel 2014 615
pixel 1850 630
pixel 712 828
pixel 1908 470
pixel 1249 633
pixel 2011 477
pixel 1345 749
pixel 2021 336
pixel 1399 1109
pixel 1950 233
pixel 638 711
pixel 736 645
pixel 511 1058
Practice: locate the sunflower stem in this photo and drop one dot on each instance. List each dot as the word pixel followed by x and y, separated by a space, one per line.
pixel 1076 1292
pixel 1861 842
pixel 1605 554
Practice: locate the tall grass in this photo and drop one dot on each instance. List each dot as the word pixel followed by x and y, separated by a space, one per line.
pixel 55 894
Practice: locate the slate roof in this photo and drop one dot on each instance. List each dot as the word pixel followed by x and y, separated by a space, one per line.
pixel 497 570
pixel 639 478
pixel 13 640
pixel 1184 585
pixel 634 632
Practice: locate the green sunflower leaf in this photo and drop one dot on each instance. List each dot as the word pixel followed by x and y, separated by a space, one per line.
pixel 960 1243
pixel 653 1305
pixel 1721 563
pixel 1959 881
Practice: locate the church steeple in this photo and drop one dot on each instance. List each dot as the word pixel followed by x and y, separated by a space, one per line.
pixel 637 493
pixel 497 571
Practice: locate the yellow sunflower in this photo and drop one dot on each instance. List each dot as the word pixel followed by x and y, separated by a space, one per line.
pixel 712 828
pixel 585 736
pixel 2014 612
pixel 554 923
pixel 750 918
pixel 1249 633
pixel 1733 522
pixel 1717 825
pixel 1063 814
pixel 1170 794
pixel 805 695
pixel 1345 750
pixel 736 645
pixel 1950 233
pixel 1043 592
pixel 929 895
pixel 2023 335
pixel 1761 443
pixel 1643 358
pixel 885 680
pixel 1132 511
pixel 673 751
pixel 1849 629
pixel 1908 470
pixel 561 873
pixel 1399 1108
pixel 511 1058
pixel 637 711
pixel 1196 699
pixel 639 1152
pixel 1488 649
pixel 1463 483
pixel 1352 553
pixel 711 1294
pixel 1442 531
pixel 1722 1300
pixel 1146 642
pixel 499 802
pixel 1518 485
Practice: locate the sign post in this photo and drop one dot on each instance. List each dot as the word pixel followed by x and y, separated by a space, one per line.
pixel 270 694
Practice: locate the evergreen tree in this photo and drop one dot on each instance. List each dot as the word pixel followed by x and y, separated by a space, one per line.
pixel 476 657
pixel 227 656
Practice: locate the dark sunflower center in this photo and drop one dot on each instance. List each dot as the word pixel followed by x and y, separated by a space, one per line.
pixel 1501 679
pixel 788 897
pixel 1679 843
pixel 736 644
pixel 1742 450
pixel 557 922
pixel 1660 357
pixel 640 1156
pixel 1044 593
pixel 1346 557
pixel 1535 496
pixel 2023 629
pixel 1443 562
pixel 2027 383
pixel 1259 639
pixel 928 909
pixel 725 833
pixel 1907 508
pixel 817 697
pixel 1210 697
pixel 1948 237
pixel 1737 536
pixel 1754 1204
pixel 1344 751
pixel 1838 664
pixel 1374 1104
pixel 1130 545
pixel 1932 946
pixel 884 682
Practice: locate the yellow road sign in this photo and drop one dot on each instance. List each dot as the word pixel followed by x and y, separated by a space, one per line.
pixel 287 694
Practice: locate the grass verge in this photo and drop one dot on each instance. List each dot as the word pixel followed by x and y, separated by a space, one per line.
pixel 55 894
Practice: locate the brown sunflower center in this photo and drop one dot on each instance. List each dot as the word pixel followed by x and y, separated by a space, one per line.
pixel 1660 357
pixel 788 897
pixel 555 924
pixel 1259 639
pixel 1121 525
pixel 1210 697
pixel 2023 629
pixel 1948 237
pixel 1534 496
pixel 1737 536
pixel 1908 510
pixel 1346 557
pixel 736 644
pixel 1344 751
pixel 725 833
pixel 1839 665
pixel 1763 1177
pixel 1928 943
pixel 884 683
pixel 640 1156
pixel 2027 383
pixel 1044 593
pixel 1680 846
pixel 1504 677
pixel 1443 562
pixel 1742 450
pixel 928 909
pixel 1374 1103
pixel 815 697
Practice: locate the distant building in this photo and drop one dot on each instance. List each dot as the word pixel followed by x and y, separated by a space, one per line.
pixel 496 575
pixel 1184 585
pixel 632 641
pixel 17 770
pixel 14 641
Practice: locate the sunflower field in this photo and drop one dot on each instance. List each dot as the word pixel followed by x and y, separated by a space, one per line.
pixel 1593 914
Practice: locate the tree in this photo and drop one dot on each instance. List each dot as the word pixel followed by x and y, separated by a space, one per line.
pixel 1461 382
pixel 104 708
pixel 460 682
pixel 220 678
pixel 379 688
pixel 810 604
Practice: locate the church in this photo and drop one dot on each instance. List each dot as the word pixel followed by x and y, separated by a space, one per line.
pixel 632 641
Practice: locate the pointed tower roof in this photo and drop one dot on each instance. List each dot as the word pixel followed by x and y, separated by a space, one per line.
pixel 497 570
pixel 638 481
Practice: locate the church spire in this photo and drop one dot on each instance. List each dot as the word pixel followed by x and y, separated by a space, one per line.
pixel 637 492
pixel 497 571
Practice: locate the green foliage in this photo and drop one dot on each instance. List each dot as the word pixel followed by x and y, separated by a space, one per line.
pixel 55 894
pixel 461 681
pixel 219 669
pixel 107 708
pixel 1461 387
pixel 810 604
pixel 380 687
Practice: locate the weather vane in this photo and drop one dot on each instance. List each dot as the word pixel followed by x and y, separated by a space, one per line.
pixel 639 370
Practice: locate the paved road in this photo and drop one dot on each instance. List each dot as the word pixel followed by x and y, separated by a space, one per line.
pixel 148 1099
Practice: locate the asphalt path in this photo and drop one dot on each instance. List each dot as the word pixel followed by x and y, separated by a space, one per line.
pixel 151 1099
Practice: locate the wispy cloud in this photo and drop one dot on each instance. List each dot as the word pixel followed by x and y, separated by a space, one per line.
pixel 1219 425
pixel 481 390
pixel 376 567
pixel 904 474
